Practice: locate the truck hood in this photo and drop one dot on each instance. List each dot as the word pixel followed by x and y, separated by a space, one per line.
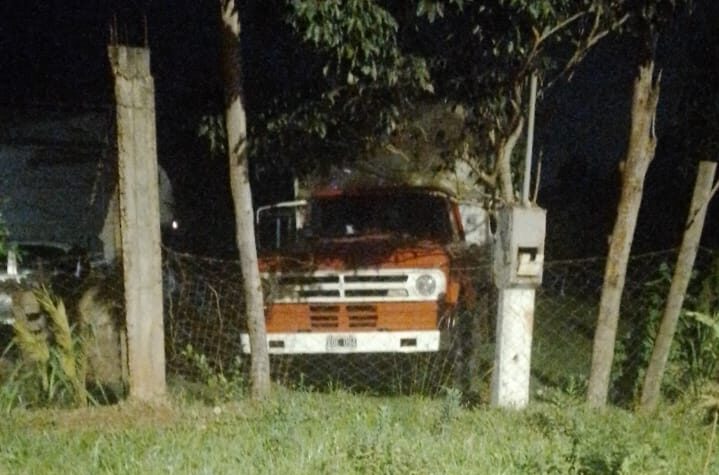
pixel 362 252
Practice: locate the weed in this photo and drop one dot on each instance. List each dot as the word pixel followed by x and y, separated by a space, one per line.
pixel 634 348
pixel 569 390
pixel 581 447
pixel 694 355
pixel 450 408
pixel 218 386
pixel 52 365
pixel 68 348
pixel 697 338
pixel 380 450
pixel 699 347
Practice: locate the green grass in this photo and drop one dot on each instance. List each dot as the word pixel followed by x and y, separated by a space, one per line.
pixel 298 432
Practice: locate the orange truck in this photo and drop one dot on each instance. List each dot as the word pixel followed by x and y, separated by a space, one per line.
pixel 360 271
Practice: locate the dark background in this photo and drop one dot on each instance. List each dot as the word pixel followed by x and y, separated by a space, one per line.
pixel 53 56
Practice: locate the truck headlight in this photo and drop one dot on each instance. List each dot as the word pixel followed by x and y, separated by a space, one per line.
pixel 426 285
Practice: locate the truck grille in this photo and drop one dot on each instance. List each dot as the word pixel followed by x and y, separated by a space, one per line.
pixel 336 285
pixel 359 286
pixel 362 316
pixel 324 316
pixel 327 317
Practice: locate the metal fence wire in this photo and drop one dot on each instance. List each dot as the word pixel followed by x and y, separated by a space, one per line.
pixel 204 319
pixel 204 312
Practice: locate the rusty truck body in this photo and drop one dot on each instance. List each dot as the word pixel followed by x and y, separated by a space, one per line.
pixel 360 271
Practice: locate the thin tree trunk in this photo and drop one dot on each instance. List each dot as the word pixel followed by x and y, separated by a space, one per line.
pixel 236 124
pixel 680 282
pixel 640 152
pixel 504 162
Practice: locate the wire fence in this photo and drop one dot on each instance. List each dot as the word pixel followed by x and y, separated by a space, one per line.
pixel 204 311
pixel 204 322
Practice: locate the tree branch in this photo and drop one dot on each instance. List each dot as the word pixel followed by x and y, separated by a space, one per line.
pixel 561 25
pixel 594 37
pixel 503 167
pixel 538 175
pixel 489 179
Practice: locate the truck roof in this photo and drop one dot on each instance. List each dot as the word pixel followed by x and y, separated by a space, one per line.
pixel 381 190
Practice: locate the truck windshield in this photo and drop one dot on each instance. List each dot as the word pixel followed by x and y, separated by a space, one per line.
pixel 279 226
pixel 408 215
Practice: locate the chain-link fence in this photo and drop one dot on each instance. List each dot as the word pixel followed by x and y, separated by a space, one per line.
pixel 204 312
pixel 204 321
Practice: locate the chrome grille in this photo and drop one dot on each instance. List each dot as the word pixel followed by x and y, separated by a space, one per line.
pixel 362 285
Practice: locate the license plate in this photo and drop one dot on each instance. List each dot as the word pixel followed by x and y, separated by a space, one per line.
pixel 341 342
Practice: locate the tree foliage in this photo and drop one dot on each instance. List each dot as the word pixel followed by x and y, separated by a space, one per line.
pixel 374 67
pixel 362 80
pixel 488 51
pixel 379 61
pixel 359 39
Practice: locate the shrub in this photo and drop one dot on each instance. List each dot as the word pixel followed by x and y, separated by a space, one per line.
pixel 52 365
pixel 216 385
pixel 694 356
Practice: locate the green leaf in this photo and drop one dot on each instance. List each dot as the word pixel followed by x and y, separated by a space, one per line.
pixel 711 321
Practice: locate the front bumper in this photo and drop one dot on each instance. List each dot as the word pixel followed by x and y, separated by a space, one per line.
pixel 348 342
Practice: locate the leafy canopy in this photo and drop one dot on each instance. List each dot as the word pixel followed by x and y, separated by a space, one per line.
pixel 376 66
pixel 381 61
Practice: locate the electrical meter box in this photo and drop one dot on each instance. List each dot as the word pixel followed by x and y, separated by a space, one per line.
pixel 519 246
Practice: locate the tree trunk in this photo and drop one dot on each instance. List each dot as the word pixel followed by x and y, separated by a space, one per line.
pixel 504 162
pixel 242 196
pixel 640 152
pixel 680 282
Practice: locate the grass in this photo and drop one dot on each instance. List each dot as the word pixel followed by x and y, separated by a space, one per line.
pixel 302 432
pixel 319 423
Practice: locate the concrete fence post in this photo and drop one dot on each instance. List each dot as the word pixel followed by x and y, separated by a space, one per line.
pixel 139 220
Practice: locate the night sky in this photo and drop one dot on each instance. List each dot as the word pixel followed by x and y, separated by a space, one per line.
pixel 53 55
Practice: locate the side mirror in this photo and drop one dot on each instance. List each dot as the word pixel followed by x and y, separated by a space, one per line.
pixel 476 222
pixel 11 263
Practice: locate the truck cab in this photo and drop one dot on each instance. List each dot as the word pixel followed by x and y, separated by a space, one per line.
pixel 360 271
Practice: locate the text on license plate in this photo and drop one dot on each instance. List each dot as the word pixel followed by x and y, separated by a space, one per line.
pixel 335 342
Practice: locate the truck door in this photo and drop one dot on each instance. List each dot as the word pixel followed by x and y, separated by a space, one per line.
pixel 279 226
